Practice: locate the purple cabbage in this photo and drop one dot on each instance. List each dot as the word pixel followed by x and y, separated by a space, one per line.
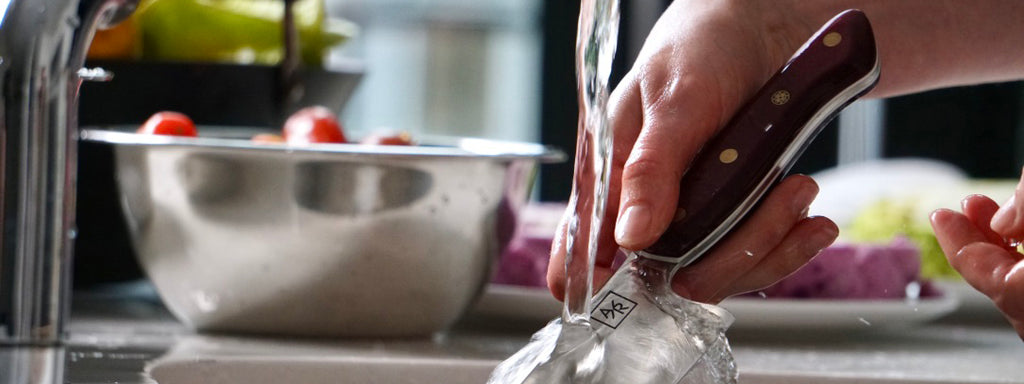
pixel 855 271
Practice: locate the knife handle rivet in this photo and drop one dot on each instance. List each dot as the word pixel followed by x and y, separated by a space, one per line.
pixel 780 97
pixel 832 39
pixel 728 156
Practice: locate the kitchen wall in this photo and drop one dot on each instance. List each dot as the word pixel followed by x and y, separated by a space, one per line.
pixel 977 128
pixel 445 67
pixel 504 69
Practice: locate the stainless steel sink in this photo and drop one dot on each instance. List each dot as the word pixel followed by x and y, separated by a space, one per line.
pixel 322 369
pixel 139 342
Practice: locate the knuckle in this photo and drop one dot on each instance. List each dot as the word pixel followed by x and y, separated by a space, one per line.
pixel 647 167
pixel 776 230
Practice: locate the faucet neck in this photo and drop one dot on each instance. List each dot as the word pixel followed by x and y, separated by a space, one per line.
pixel 42 46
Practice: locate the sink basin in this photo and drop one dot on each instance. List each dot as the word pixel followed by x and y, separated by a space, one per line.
pixel 322 370
pixel 469 358
pixel 333 370
pixel 141 344
pixel 456 359
pixel 352 369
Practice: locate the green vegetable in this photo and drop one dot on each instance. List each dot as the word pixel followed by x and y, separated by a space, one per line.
pixel 907 216
pixel 236 31
pixel 886 219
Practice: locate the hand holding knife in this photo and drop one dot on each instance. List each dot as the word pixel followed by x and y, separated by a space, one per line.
pixel 642 331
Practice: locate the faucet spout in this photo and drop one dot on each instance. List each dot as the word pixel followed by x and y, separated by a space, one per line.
pixel 42 47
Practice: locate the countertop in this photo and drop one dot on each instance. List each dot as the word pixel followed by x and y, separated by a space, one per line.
pixel 117 339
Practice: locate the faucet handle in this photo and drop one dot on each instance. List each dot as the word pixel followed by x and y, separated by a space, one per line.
pixel 95 74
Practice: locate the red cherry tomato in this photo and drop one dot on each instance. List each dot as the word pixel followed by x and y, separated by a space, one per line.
pixel 169 123
pixel 313 125
pixel 403 138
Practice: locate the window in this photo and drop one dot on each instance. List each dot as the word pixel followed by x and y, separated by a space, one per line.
pixel 445 67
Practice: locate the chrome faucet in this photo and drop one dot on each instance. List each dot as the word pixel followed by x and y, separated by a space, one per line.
pixel 42 48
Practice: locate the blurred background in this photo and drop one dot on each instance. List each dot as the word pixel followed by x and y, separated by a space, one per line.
pixel 490 68
pixel 501 69
pixel 504 69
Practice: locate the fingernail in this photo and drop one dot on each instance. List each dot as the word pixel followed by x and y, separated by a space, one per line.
pixel 633 224
pixel 826 236
pixel 1004 218
pixel 938 216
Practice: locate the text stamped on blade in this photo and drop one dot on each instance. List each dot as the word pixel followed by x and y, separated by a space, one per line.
pixel 613 309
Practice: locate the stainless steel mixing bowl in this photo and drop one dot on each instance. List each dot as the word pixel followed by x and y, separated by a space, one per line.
pixel 329 240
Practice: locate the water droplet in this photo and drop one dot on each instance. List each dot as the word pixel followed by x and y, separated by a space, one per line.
pixel 913 290
pixel 865 321
pixel 748 253
pixel 206 302
pixel 762 294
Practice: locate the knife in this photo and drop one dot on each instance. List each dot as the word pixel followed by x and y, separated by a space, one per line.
pixel 735 169
pixel 640 331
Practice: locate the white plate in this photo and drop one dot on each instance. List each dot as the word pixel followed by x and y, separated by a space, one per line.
pixel 806 314
pixel 973 304
pixel 846 190
pixel 537 304
pixel 517 302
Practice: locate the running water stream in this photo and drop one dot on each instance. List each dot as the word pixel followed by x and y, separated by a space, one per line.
pixel 671 336
pixel 595 49
pixel 572 338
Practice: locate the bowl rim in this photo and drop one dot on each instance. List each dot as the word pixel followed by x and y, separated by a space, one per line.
pixel 429 146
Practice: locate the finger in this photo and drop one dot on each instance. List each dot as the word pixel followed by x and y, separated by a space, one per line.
pixel 982 264
pixel 1011 299
pixel 994 272
pixel 805 241
pixel 1009 220
pixel 556 263
pixel 954 231
pixel 989 268
pixel 624 107
pixel 979 210
pixel 750 243
pixel 678 117
pixel 556 275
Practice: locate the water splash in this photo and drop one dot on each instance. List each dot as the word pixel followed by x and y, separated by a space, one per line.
pixel 667 339
pixel 205 301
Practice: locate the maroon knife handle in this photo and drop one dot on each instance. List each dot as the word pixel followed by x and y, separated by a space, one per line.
pixel 744 159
